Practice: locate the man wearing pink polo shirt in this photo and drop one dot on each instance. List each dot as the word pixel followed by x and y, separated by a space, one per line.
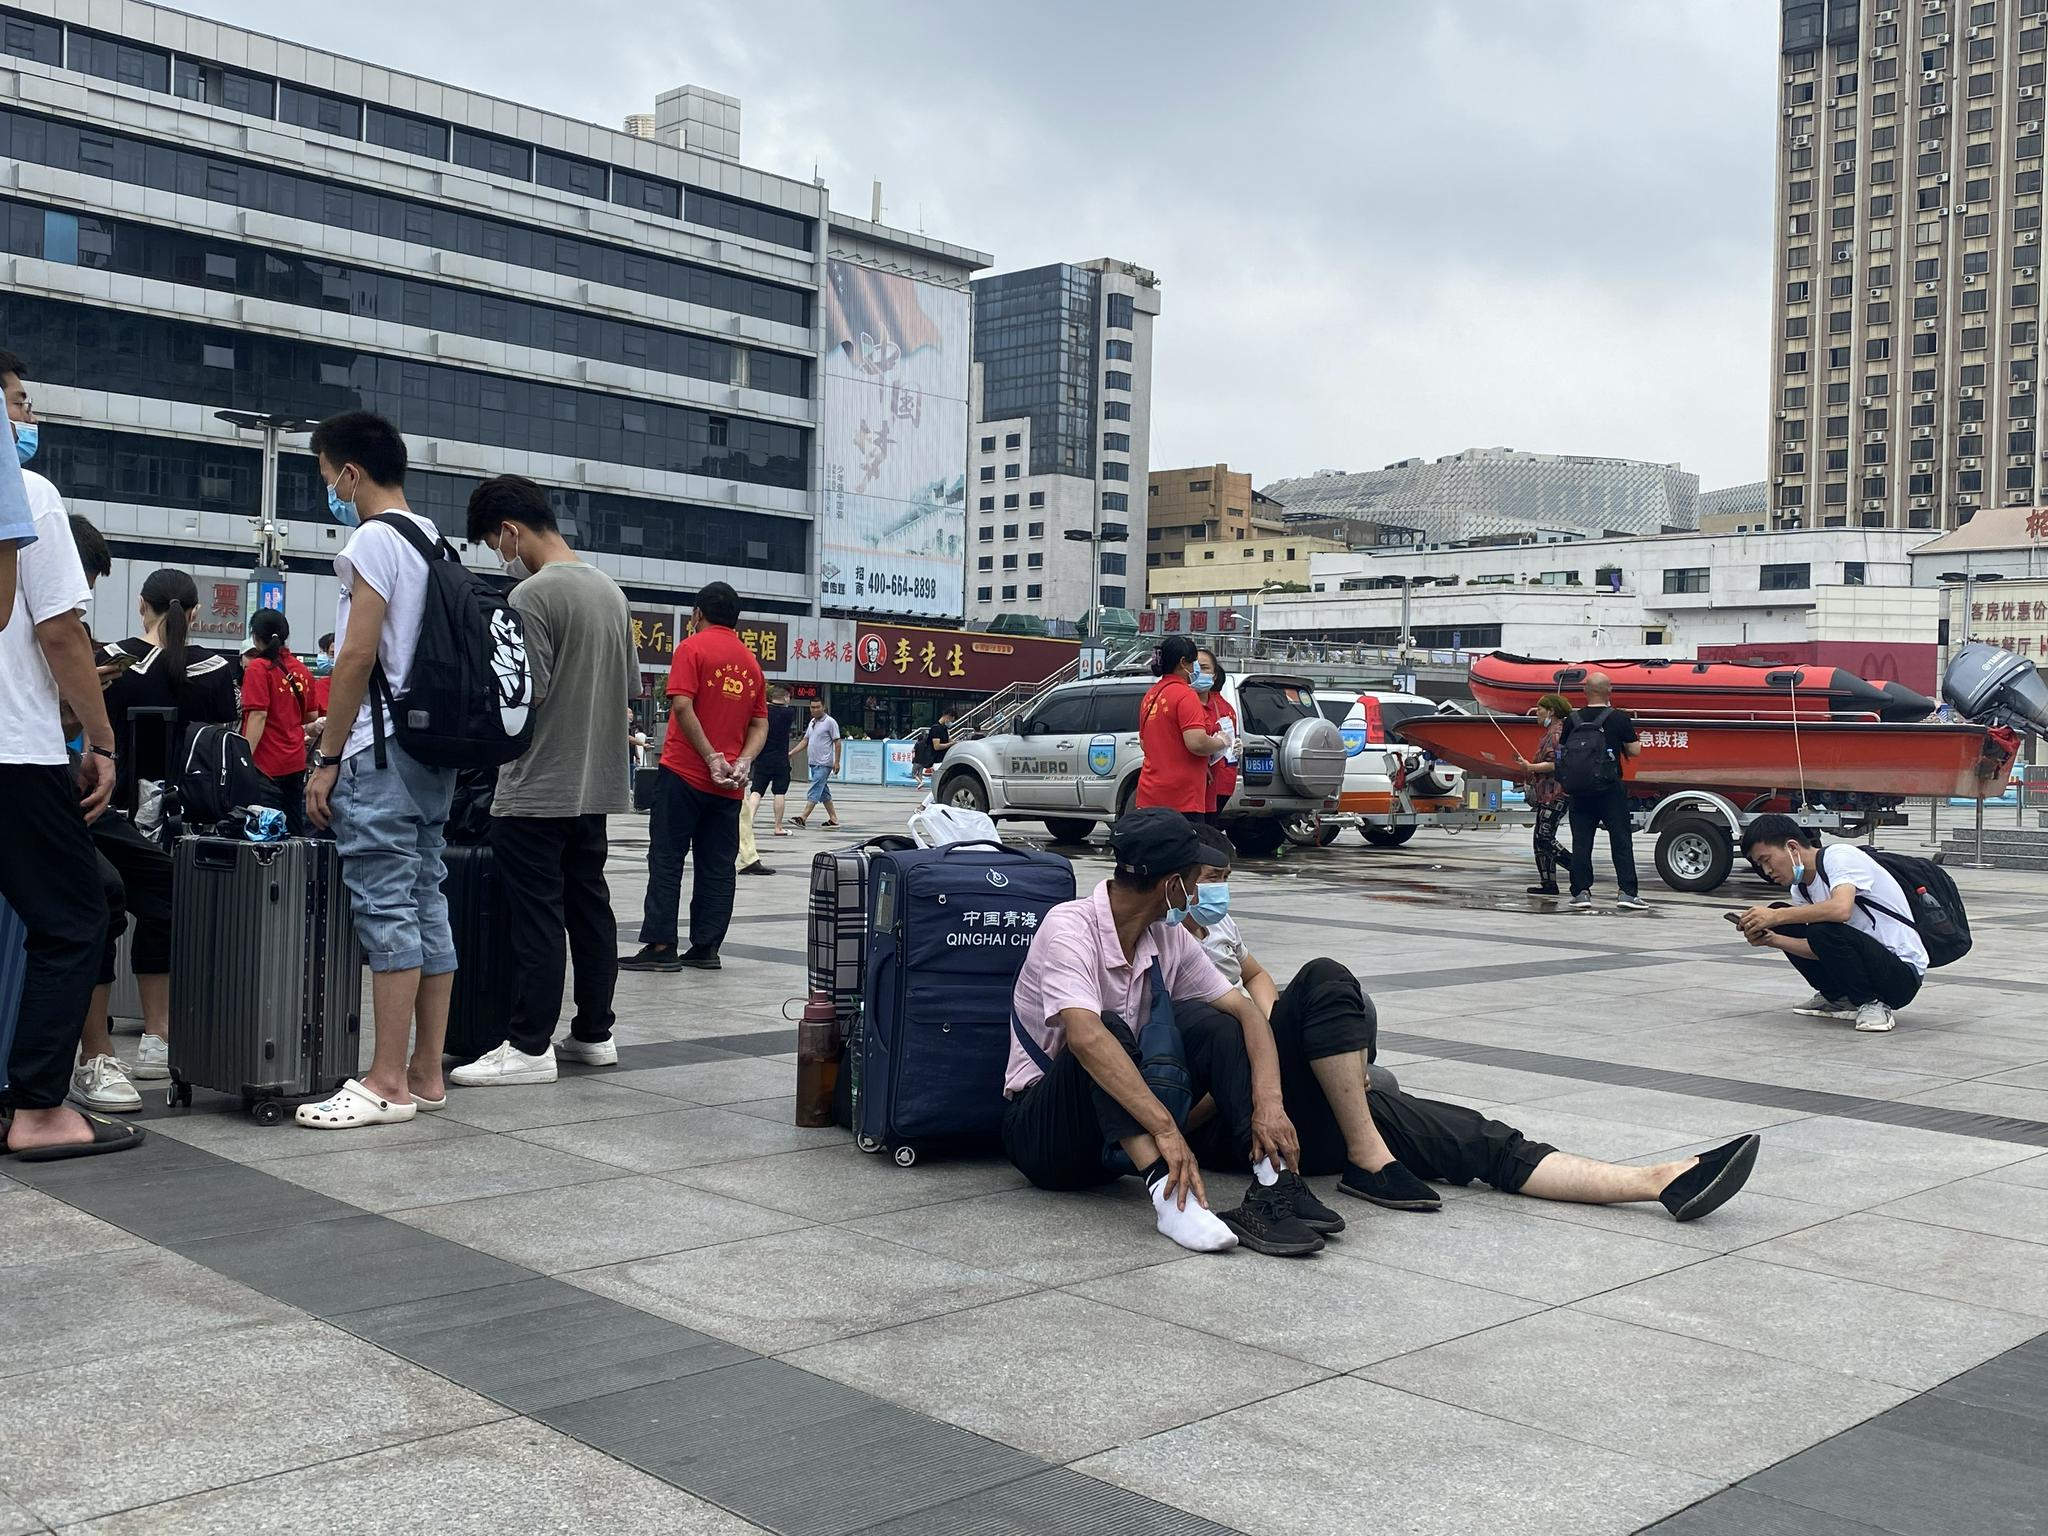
pixel 1087 1105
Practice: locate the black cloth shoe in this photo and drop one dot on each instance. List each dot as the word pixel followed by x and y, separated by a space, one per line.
pixel 653 957
pixel 1393 1186
pixel 1544 890
pixel 1315 1215
pixel 1713 1181
pixel 700 957
pixel 757 868
pixel 1265 1222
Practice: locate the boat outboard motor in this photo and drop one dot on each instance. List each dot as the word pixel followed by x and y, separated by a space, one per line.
pixel 1995 687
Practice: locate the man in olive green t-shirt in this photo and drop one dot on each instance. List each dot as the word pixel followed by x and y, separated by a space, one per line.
pixel 548 814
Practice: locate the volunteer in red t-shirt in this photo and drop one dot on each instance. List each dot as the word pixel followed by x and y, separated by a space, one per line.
pixel 1173 730
pixel 277 700
pixel 1222 718
pixel 718 718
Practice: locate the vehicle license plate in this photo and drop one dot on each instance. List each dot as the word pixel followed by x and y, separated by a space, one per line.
pixel 1258 765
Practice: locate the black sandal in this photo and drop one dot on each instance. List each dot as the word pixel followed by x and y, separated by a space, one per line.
pixel 107 1136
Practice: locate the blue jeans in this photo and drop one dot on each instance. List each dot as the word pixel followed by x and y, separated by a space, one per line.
pixel 388 828
pixel 820 792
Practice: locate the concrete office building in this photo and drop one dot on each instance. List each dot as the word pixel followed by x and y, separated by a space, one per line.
pixel 1906 296
pixel 1236 573
pixel 1484 492
pixel 1736 508
pixel 198 217
pixel 1062 418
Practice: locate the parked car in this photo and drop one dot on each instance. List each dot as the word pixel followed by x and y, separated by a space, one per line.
pixel 1376 765
pixel 1073 759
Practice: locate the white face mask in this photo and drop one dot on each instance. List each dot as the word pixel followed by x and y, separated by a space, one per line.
pixel 515 567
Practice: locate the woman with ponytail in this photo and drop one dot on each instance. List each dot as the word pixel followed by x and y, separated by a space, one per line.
pixel 166 671
pixel 277 699
pixel 1173 730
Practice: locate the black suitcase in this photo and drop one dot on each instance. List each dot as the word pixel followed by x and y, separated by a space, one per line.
pixel 482 999
pixel 266 979
pixel 948 929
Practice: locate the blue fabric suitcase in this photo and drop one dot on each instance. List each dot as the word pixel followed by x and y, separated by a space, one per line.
pixel 948 928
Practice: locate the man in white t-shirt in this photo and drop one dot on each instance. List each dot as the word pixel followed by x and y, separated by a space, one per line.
pixel 387 809
pixel 48 872
pixel 1848 929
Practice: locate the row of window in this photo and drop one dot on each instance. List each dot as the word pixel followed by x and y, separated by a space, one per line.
pixel 1011 441
pixel 1031 531
pixel 237 90
pixel 1035 591
pixel 1769 578
pixel 1035 561
pixel 988 503
pixel 94 465
pixel 89 151
pixel 89 348
pixel 202 261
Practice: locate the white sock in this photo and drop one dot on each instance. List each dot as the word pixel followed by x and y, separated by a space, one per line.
pixel 1264 1170
pixel 1196 1228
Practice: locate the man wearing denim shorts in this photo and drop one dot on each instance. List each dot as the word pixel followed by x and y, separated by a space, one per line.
pixel 387 809
pixel 821 756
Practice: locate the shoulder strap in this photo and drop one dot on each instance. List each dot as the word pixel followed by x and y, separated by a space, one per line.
pixel 1867 902
pixel 429 550
pixel 1032 1048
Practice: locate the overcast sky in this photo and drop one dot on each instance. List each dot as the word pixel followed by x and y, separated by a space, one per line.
pixel 1383 227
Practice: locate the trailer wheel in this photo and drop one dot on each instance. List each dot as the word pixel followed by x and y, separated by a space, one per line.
pixel 1694 854
pixel 1386 837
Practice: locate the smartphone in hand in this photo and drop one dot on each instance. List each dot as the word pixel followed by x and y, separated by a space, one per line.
pixel 1733 917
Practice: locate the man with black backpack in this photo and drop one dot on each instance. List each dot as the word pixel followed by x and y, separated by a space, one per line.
pixel 1863 926
pixel 1596 739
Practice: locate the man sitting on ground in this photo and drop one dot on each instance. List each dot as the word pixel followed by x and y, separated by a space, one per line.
pixel 1845 930
pixel 1353 1118
pixel 1097 969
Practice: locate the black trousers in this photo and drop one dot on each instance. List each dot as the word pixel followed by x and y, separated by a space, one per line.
pixel 1548 852
pixel 1848 962
pixel 1057 1131
pixel 686 820
pixel 287 793
pixel 49 876
pixel 1609 809
pixel 559 908
pixel 143 870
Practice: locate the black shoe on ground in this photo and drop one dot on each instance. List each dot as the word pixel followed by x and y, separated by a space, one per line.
pixel 1393 1187
pixel 757 868
pixel 1544 890
pixel 1713 1181
pixel 653 957
pixel 1265 1222
pixel 1315 1215
pixel 700 957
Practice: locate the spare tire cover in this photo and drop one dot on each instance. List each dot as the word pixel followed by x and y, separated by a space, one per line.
pixel 1312 757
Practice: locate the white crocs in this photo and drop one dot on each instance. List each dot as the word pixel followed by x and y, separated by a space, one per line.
pixel 351 1106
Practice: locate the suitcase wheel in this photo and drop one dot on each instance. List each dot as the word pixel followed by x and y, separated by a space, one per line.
pixel 179 1094
pixel 267 1112
pixel 867 1143
pixel 906 1157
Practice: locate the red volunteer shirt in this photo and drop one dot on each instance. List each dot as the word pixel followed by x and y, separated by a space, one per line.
pixel 1172 776
pixel 283 688
pixel 1222 776
pixel 719 675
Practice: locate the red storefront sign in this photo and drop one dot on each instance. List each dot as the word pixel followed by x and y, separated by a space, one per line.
pixel 952 658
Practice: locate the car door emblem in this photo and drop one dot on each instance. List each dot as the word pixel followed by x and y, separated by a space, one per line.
pixel 1102 756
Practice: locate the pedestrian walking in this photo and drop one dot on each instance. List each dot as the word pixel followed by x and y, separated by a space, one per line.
pixel 821 756
pixel 770 777
pixel 1595 741
pixel 1545 794
pixel 1174 734
pixel 718 720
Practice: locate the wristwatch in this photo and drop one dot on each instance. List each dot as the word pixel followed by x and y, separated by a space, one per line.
pixel 324 761
pixel 106 752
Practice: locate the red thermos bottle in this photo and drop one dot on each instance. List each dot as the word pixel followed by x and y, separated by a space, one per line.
pixel 817 1060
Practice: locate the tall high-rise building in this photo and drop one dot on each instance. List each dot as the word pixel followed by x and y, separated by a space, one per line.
pixel 1906 296
pixel 1057 461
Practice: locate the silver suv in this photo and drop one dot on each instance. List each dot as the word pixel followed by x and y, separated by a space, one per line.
pixel 1073 760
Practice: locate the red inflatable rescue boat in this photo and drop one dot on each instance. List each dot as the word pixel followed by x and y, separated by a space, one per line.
pixel 1719 690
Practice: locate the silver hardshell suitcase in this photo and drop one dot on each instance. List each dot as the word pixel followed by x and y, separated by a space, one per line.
pixel 266 979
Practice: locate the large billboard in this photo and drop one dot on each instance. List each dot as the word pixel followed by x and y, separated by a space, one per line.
pixel 895 444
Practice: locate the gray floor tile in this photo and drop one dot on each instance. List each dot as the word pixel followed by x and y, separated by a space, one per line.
pixel 104 1304
pixel 501 1478
pixel 1743 1512
pixel 1699 1407
pixel 1936 1261
pixel 1979 1205
pixel 1911 1485
pixel 1697 1117
pixel 683 1138
pixel 603 1095
pixel 2032 1171
pixel 233 1134
pixel 16 1521
pixel 841 1183
pixel 2015 1383
pixel 332 1267
pixel 1750 1218
pixel 180 1418
pixel 206 1199
pixel 716 1082
pixel 1048 1239
pixel 438 1172
pixel 1347 1455
pixel 41 1228
pixel 1340 1312
pixel 1056 1502
pixel 540 1344
pixel 1613 1141
pixel 1061 1376
pixel 1498 1085
pixel 790 1289
pixel 1868 1330
pixel 582 1226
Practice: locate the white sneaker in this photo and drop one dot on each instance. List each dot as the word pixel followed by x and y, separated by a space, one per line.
pixel 1818 1007
pixel 99 1083
pixel 503 1066
pixel 152 1059
pixel 1875 1019
pixel 591 1053
pixel 1631 904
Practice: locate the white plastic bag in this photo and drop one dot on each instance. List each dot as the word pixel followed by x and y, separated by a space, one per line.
pixel 933 824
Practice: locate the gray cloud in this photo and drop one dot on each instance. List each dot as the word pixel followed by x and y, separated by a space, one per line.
pixel 1384 227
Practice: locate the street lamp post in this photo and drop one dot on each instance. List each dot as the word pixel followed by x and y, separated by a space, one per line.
pixel 270 538
pixel 1968 581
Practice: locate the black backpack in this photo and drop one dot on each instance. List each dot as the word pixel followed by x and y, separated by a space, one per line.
pixel 215 777
pixel 1935 906
pixel 469 698
pixel 1585 764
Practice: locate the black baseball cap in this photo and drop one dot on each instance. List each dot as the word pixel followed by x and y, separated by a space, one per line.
pixel 1215 847
pixel 1152 841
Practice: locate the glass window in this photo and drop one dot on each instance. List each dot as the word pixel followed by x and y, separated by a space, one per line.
pixel 402 131
pixel 1116 442
pixel 1115 469
pixel 305 107
pixel 1034 531
pixel 988 445
pixel 568 173
pixel 230 88
pixel 489 153
pixel 27 37
pixel 1116 379
pixel 1121 311
pixel 1013 441
pixel 1013 471
pixel 647 194
pixel 1118 501
pixel 984 594
pixel 116 59
pixel 1010 502
pixel 1691 578
pixel 1035 499
pixel 1009 594
pixel 1117 350
pixel 1785 578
